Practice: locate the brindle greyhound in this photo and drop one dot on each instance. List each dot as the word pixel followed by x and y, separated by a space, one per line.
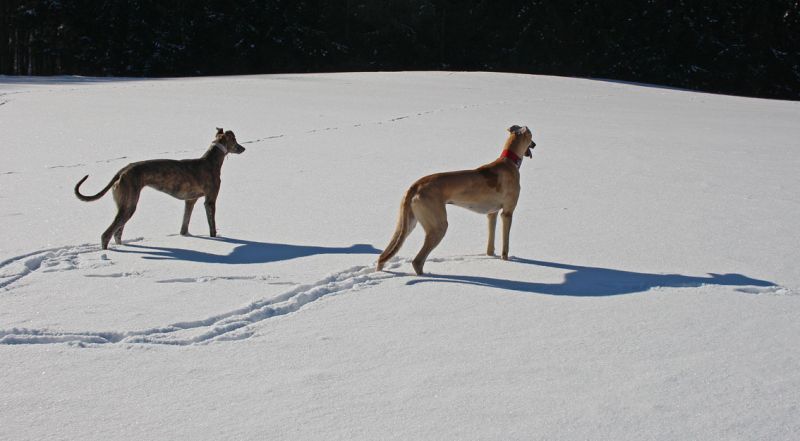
pixel 486 190
pixel 187 179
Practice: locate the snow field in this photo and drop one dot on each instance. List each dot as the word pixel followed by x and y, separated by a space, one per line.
pixel 653 292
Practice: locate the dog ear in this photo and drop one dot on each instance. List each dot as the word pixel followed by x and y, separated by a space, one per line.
pixel 517 130
pixel 220 131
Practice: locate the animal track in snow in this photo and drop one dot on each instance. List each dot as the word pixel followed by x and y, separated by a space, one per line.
pixel 232 325
pixel 258 140
pixel 101 161
pixel 48 260
pixel 115 275
pixel 322 130
pixel 774 290
pixel 262 139
pixel 105 161
pixel 174 151
pixel 64 166
pixel 389 120
pixel 205 279
pixel 236 324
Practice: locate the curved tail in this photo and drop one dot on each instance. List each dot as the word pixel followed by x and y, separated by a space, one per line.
pixel 98 195
pixel 406 221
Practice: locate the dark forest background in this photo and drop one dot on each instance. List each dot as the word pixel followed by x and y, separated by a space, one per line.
pixel 746 47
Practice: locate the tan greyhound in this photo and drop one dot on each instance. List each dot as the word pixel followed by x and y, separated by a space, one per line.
pixel 486 190
pixel 187 179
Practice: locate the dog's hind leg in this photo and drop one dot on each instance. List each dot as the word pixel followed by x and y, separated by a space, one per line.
pixel 118 235
pixel 105 238
pixel 187 215
pixel 397 240
pixel 432 238
pixel 115 229
pixel 126 206
pixel 492 227
pixel 433 218
pixel 405 224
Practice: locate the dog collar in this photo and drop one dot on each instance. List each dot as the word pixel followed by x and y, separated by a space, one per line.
pixel 221 147
pixel 512 156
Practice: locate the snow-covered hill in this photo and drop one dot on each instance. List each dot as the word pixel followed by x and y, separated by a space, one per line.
pixel 654 291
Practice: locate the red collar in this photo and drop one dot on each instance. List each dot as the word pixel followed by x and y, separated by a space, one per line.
pixel 512 156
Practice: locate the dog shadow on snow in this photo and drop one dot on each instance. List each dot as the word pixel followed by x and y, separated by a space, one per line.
pixel 586 281
pixel 246 251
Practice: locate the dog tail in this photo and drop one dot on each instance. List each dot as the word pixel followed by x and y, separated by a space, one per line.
pixel 98 195
pixel 406 222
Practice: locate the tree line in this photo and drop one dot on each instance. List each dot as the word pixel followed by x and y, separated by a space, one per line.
pixel 747 47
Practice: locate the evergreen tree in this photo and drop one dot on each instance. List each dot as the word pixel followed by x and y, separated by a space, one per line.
pixel 739 46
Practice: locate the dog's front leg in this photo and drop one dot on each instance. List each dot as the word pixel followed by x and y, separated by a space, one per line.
pixel 492 227
pixel 187 215
pixel 211 208
pixel 506 231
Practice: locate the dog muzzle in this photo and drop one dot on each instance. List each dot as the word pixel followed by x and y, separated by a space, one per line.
pixel 529 152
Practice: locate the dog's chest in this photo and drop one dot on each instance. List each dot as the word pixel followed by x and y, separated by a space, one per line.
pixel 481 207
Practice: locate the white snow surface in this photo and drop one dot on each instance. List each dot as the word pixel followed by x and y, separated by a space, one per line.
pixel 653 293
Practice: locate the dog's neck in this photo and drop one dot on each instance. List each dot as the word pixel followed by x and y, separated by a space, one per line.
pixel 513 157
pixel 215 154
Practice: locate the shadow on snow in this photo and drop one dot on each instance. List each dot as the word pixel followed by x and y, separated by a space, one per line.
pixel 586 281
pixel 246 252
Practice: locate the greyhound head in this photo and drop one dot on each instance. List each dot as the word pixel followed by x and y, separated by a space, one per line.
pixel 521 137
pixel 226 141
